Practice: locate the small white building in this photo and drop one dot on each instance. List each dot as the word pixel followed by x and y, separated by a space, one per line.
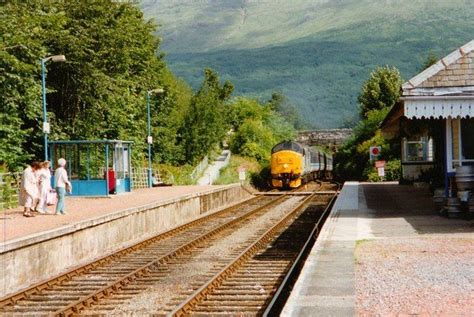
pixel 435 119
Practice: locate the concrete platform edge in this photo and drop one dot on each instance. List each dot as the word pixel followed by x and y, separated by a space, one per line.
pixel 313 293
pixel 68 229
pixel 40 257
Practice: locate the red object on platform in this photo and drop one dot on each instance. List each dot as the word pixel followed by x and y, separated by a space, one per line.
pixel 111 181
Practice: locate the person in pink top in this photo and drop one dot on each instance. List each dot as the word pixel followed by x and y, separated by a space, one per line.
pixel 29 192
pixel 62 183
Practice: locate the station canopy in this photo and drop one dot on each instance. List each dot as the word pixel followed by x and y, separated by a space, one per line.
pixel 444 90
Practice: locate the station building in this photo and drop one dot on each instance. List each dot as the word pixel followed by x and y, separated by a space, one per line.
pixel 434 120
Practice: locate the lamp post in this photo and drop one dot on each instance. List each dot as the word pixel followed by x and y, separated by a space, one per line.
pixel 149 138
pixel 46 128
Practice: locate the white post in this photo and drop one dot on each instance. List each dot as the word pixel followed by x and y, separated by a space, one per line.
pixel 459 142
pixel 449 146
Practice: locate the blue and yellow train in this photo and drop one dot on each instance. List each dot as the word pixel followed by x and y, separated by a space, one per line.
pixel 293 164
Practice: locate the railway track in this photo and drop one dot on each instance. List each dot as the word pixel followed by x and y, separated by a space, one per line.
pixel 255 281
pixel 120 282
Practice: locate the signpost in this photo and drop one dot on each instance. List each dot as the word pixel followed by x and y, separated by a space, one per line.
pixel 374 152
pixel 380 166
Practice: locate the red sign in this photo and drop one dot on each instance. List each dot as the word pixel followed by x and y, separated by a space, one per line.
pixel 375 150
pixel 379 164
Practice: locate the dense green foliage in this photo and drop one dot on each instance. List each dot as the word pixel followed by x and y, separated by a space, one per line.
pixel 99 92
pixel 317 53
pixel 382 91
pixel 205 123
pixel 378 94
pixel 113 61
pixel 257 128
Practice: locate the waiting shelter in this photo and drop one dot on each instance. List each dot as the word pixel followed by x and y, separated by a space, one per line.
pixel 95 168
pixel 435 121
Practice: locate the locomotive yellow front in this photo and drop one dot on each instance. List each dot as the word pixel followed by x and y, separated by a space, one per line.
pixel 286 169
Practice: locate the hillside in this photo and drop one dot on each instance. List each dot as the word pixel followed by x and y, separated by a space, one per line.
pixel 315 52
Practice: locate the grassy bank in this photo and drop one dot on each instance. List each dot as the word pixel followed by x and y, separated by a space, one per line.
pixel 230 174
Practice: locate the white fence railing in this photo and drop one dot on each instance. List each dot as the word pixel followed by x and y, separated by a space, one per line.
pixel 140 177
pixel 200 168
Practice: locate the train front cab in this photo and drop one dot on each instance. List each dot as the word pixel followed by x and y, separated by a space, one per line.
pixel 287 165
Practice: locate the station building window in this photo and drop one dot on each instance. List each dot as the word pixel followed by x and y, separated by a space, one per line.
pixel 417 149
pixel 462 131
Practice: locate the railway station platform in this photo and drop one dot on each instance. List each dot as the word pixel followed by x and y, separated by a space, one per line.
pixel 384 250
pixel 38 248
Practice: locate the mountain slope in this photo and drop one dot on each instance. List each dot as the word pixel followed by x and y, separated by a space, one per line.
pixel 316 52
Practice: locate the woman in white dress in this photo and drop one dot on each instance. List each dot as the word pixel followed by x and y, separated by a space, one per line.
pixel 29 189
pixel 44 183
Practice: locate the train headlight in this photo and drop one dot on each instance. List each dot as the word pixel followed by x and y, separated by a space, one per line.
pixel 285 165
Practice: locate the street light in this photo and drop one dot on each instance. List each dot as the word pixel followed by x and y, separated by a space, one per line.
pixel 46 128
pixel 149 138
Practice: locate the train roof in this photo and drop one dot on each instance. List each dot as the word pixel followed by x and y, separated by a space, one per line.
pixel 288 146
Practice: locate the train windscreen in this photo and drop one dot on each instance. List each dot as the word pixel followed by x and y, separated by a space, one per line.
pixel 287 146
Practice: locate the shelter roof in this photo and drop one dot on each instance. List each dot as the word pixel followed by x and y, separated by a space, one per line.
pixel 90 142
pixel 453 75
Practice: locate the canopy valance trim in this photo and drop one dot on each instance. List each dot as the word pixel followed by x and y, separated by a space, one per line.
pixel 446 108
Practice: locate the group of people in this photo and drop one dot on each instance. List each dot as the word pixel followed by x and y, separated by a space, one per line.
pixel 36 192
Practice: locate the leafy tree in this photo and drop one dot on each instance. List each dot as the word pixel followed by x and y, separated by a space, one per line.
pixel 168 112
pixel 280 103
pixel 430 60
pixel 257 128
pixel 113 59
pixel 253 139
pixel 205 124
pixel 23 30
pixel 245 108
pixel 378 95
pixel 381 90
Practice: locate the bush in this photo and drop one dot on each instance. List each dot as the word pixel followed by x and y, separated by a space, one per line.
pixel 8 193
pixel 261 180
pixel 230 174
pixel 392 172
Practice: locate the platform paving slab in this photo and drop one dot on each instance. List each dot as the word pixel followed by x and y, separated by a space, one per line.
pixel 385 251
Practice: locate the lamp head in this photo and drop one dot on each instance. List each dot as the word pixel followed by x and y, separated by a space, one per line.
pixel 58 58
pixel 156 91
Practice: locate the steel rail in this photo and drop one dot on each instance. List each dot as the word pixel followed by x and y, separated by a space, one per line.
pixel 88 300
pixel 189 303
pixel 278 301
pixel 34 289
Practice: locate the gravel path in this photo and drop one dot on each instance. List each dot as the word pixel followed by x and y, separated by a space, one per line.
pixel 421 276
pixel 184 275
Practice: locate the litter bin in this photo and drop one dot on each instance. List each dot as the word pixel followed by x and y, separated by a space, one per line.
pixel 112 181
